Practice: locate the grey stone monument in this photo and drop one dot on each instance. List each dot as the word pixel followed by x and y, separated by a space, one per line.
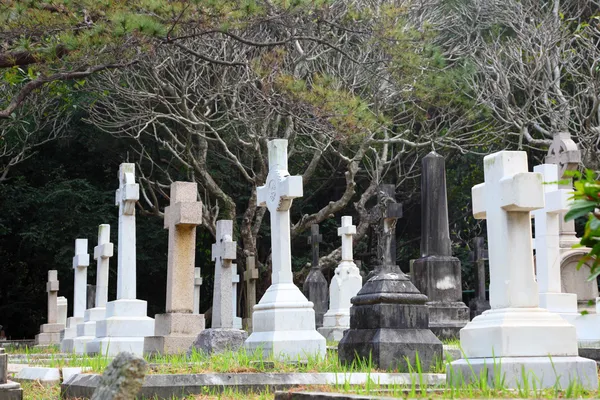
pixel 50 332
pixel 315 286
pixel 250 277
pixel 389 320
pixel 9 390
pixel 437 272
pixel 479 256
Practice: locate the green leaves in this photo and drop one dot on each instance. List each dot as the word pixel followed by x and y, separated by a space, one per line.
pixel 580 208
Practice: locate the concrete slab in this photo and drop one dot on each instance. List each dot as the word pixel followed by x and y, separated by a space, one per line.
pixel 46 376
pixel 169 386
pixel 325 396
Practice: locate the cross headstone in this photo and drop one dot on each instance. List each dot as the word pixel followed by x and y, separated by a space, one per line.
pixel 386 234
pixel 271 328
pixel 524 340
pixel 181 219
pixel 479 256
pixel 547 243
pixel 223 254
pixel 80 263
pixel 250 277
pixel 197 285
pixel 345 284
pixel 126 198
pixel 315 284
pixel 102 253
pixel 52 289
pixel 235 279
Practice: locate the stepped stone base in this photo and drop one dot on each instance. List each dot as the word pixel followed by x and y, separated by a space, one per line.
pixel 174 333
pixel 546 372
pixel 446 319
pixel 11 391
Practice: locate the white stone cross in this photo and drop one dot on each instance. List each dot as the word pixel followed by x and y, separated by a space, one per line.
pixel 197 285
pixel 52 289
pixel 181 219
pixel 80 263
pixel 346 232
pixel 126 197
pixel 102 254
pixel 223 254
pixel 277 195
pixel 505 200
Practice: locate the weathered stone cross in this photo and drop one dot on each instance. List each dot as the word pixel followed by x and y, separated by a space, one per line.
pixel 386 243
pixel 223 254
pixel 314 239
pixel 102 254
pixel 479 255
pixel 505 200
pixel 52 289
pixel 277 196
pixel 547 237
pixel 197 285
pixel 126 197
pixel 181 219
pixel 250 277
pixel 564 153
pixel 80 263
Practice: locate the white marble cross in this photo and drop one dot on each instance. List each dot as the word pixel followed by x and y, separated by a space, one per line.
pixel 126 197
pixel 181 219
pixel 223 254
pixel 80 263
pixel 197 285
pixel 52 289
pixel 346 232
pixel 505 200
pixel 277 195
pixel 102 254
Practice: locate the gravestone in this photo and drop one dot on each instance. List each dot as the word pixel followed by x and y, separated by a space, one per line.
pixel 197 285
pixel 86 331
pixel 315 285
pixel 548 259
pixel 565 154
pixel 126 323
pixel 50 332
pixel 516 339
pixel 250 277
pixel 479 256
pixel 389 320
pixel 235 279
pixel 176 330
pixel 62 310
pixel 345 284
pixel 122 379
pixel 283 322
pixel 80 263
pixel 222 335
pixel 437 272
pixel 9 390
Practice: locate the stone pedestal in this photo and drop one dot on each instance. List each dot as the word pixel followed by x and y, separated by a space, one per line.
pixel 70 333
pixel 523 340
pixel 49 334
pixel 174 333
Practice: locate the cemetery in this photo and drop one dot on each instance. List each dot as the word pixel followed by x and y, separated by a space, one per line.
pixel 299 200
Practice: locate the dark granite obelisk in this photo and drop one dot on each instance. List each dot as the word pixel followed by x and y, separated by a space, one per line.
pixel 436 272
pixel 478 256
pixel 315 286
pixel 388 318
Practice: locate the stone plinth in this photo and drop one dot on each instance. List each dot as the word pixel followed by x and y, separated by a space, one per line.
pixel 174 333
pixel 437 274
pixel 345 284
pixel 521 337
pixel 283 322
pixel 389 320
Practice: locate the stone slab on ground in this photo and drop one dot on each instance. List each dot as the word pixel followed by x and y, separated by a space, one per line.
pixel 11 391
pixel 326 396
pixel 45 375
pixel 549 371
pixel 169 386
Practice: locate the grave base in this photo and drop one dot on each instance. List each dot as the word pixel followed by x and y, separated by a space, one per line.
pixel 175 333
pixel 333 333
pixel 11 391
pixel 335 324
pixel 478 306
pixel 283 324
pixel 446 319
pixel 219 340
pixel 86 332
pixel 70 333
pixel 124 329
pixel 49 334
pixel 540 372
pixel 587 327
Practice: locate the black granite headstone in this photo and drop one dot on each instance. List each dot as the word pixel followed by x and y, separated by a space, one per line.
pixel 388 318
pixel 478 256
pixel 315 286
pixel 437 272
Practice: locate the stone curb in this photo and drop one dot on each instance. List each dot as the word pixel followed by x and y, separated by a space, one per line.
pixel 325 396
pixel 169 386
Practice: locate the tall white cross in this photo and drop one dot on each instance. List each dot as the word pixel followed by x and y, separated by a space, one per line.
pixel 346 232
pixel 505 200
pixel 126 197
pixel 277 195
pixel 197 285
pixel 547 230
pixel 102 254
pixel 223 254
pixel 181 219
pixel 80 263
